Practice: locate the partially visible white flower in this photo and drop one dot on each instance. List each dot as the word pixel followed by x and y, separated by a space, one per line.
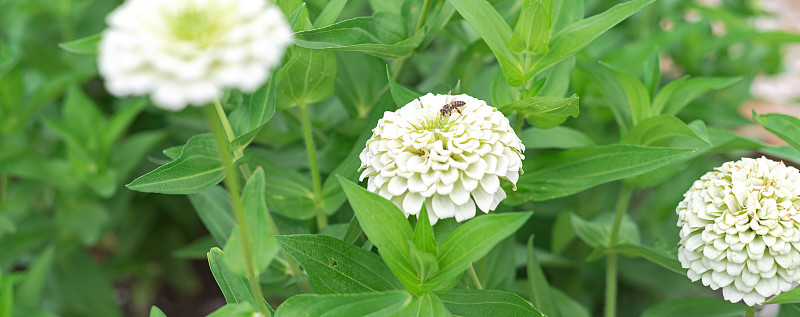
pixel 188 51
pixel 740 229
pixel 450 163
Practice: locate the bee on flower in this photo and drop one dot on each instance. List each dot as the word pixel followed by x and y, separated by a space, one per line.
pixel 189 51
pixel 740 229
pixel 450 161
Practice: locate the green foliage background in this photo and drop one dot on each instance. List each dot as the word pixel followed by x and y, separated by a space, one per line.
pixel 603 124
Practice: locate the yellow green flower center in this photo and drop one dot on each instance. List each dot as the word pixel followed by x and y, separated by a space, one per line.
pixel 201 26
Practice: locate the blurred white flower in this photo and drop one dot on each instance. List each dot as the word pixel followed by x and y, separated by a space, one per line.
pixel 739 229
pixel 449 162
pixel 188 51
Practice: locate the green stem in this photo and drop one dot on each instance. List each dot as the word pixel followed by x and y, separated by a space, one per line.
pixel 234 188
pixel 474 277
pixel 291 265
pixel 305 122
pixel 751 311
pixel 623 201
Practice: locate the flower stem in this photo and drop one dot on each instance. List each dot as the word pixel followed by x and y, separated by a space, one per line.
pixel 751 311
pixel 623 200
pixel 305 122
pixel 474 277
pixel 234 188
pixel 292 267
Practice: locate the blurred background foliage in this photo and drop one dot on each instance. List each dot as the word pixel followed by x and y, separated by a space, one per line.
pixel 75 242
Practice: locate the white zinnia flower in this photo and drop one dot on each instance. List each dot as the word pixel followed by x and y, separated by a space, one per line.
pixel 739 229
pixel 188 51
pixel 449 162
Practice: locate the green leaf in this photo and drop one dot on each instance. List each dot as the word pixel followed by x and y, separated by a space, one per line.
pixel 8 58
pixel 560 137
pixel 423 234
pixel 784 126
pixel 540 289
pixel 334 266
pixel 262 245
pixel 345 305
pixel 289 193
pixel 359 80
pixel 235 310
pixel 597 233
pixel 545 112
pixel 484 302
pixel 495 32
pixel 214 208
pixel 532 31
pixel 256 110
pixel 31 288
pixel 569 172
pixel 7 296
pixel 156 312
pixel 387 228
pixel 660 131
pixel 400 94
pixel 87 45
pixel 330 13
pixel 576 36
pixel 382 35
pixel 656 255
pixel 637 94
pixel 196 169
pixel 472 241
pixel 235 287
pixel 307 77
pixel 498 269
pixel 695 306
pixel 790 297
pixel 428 305
pixel 424 263
pixel 612 91
pixel 501 92
pixel 678 93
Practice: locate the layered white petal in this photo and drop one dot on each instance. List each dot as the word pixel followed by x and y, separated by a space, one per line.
pixel 740 229
pixel 451 162
pixel 189 51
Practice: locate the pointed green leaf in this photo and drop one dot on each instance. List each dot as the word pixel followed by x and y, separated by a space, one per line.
pixel 472 241
pixel 235 288
pixel 576 36
pixel 307 77
pixel 532 31
pixel 678 93
pixel 424 263
pixel 660 131
pixel 656 255
pixel 382 35
pixel 262 245
pixel 214 209
pixel 637 94
pixel 545 112
pixel 87 45
pixel 569 172
pixel 196 169
pixel 31 288
pixel 235 310
pixel 428 305
pixel 495 32
pixel 387 228
pixel 156 312
pixel 423 234
pixel 334 266
pixel 559 137
pixel 345 305
pixel 400 94
pixel 484 302
pixel 784 126
pixel 540 289
pixel 330 13
pixel 254 112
